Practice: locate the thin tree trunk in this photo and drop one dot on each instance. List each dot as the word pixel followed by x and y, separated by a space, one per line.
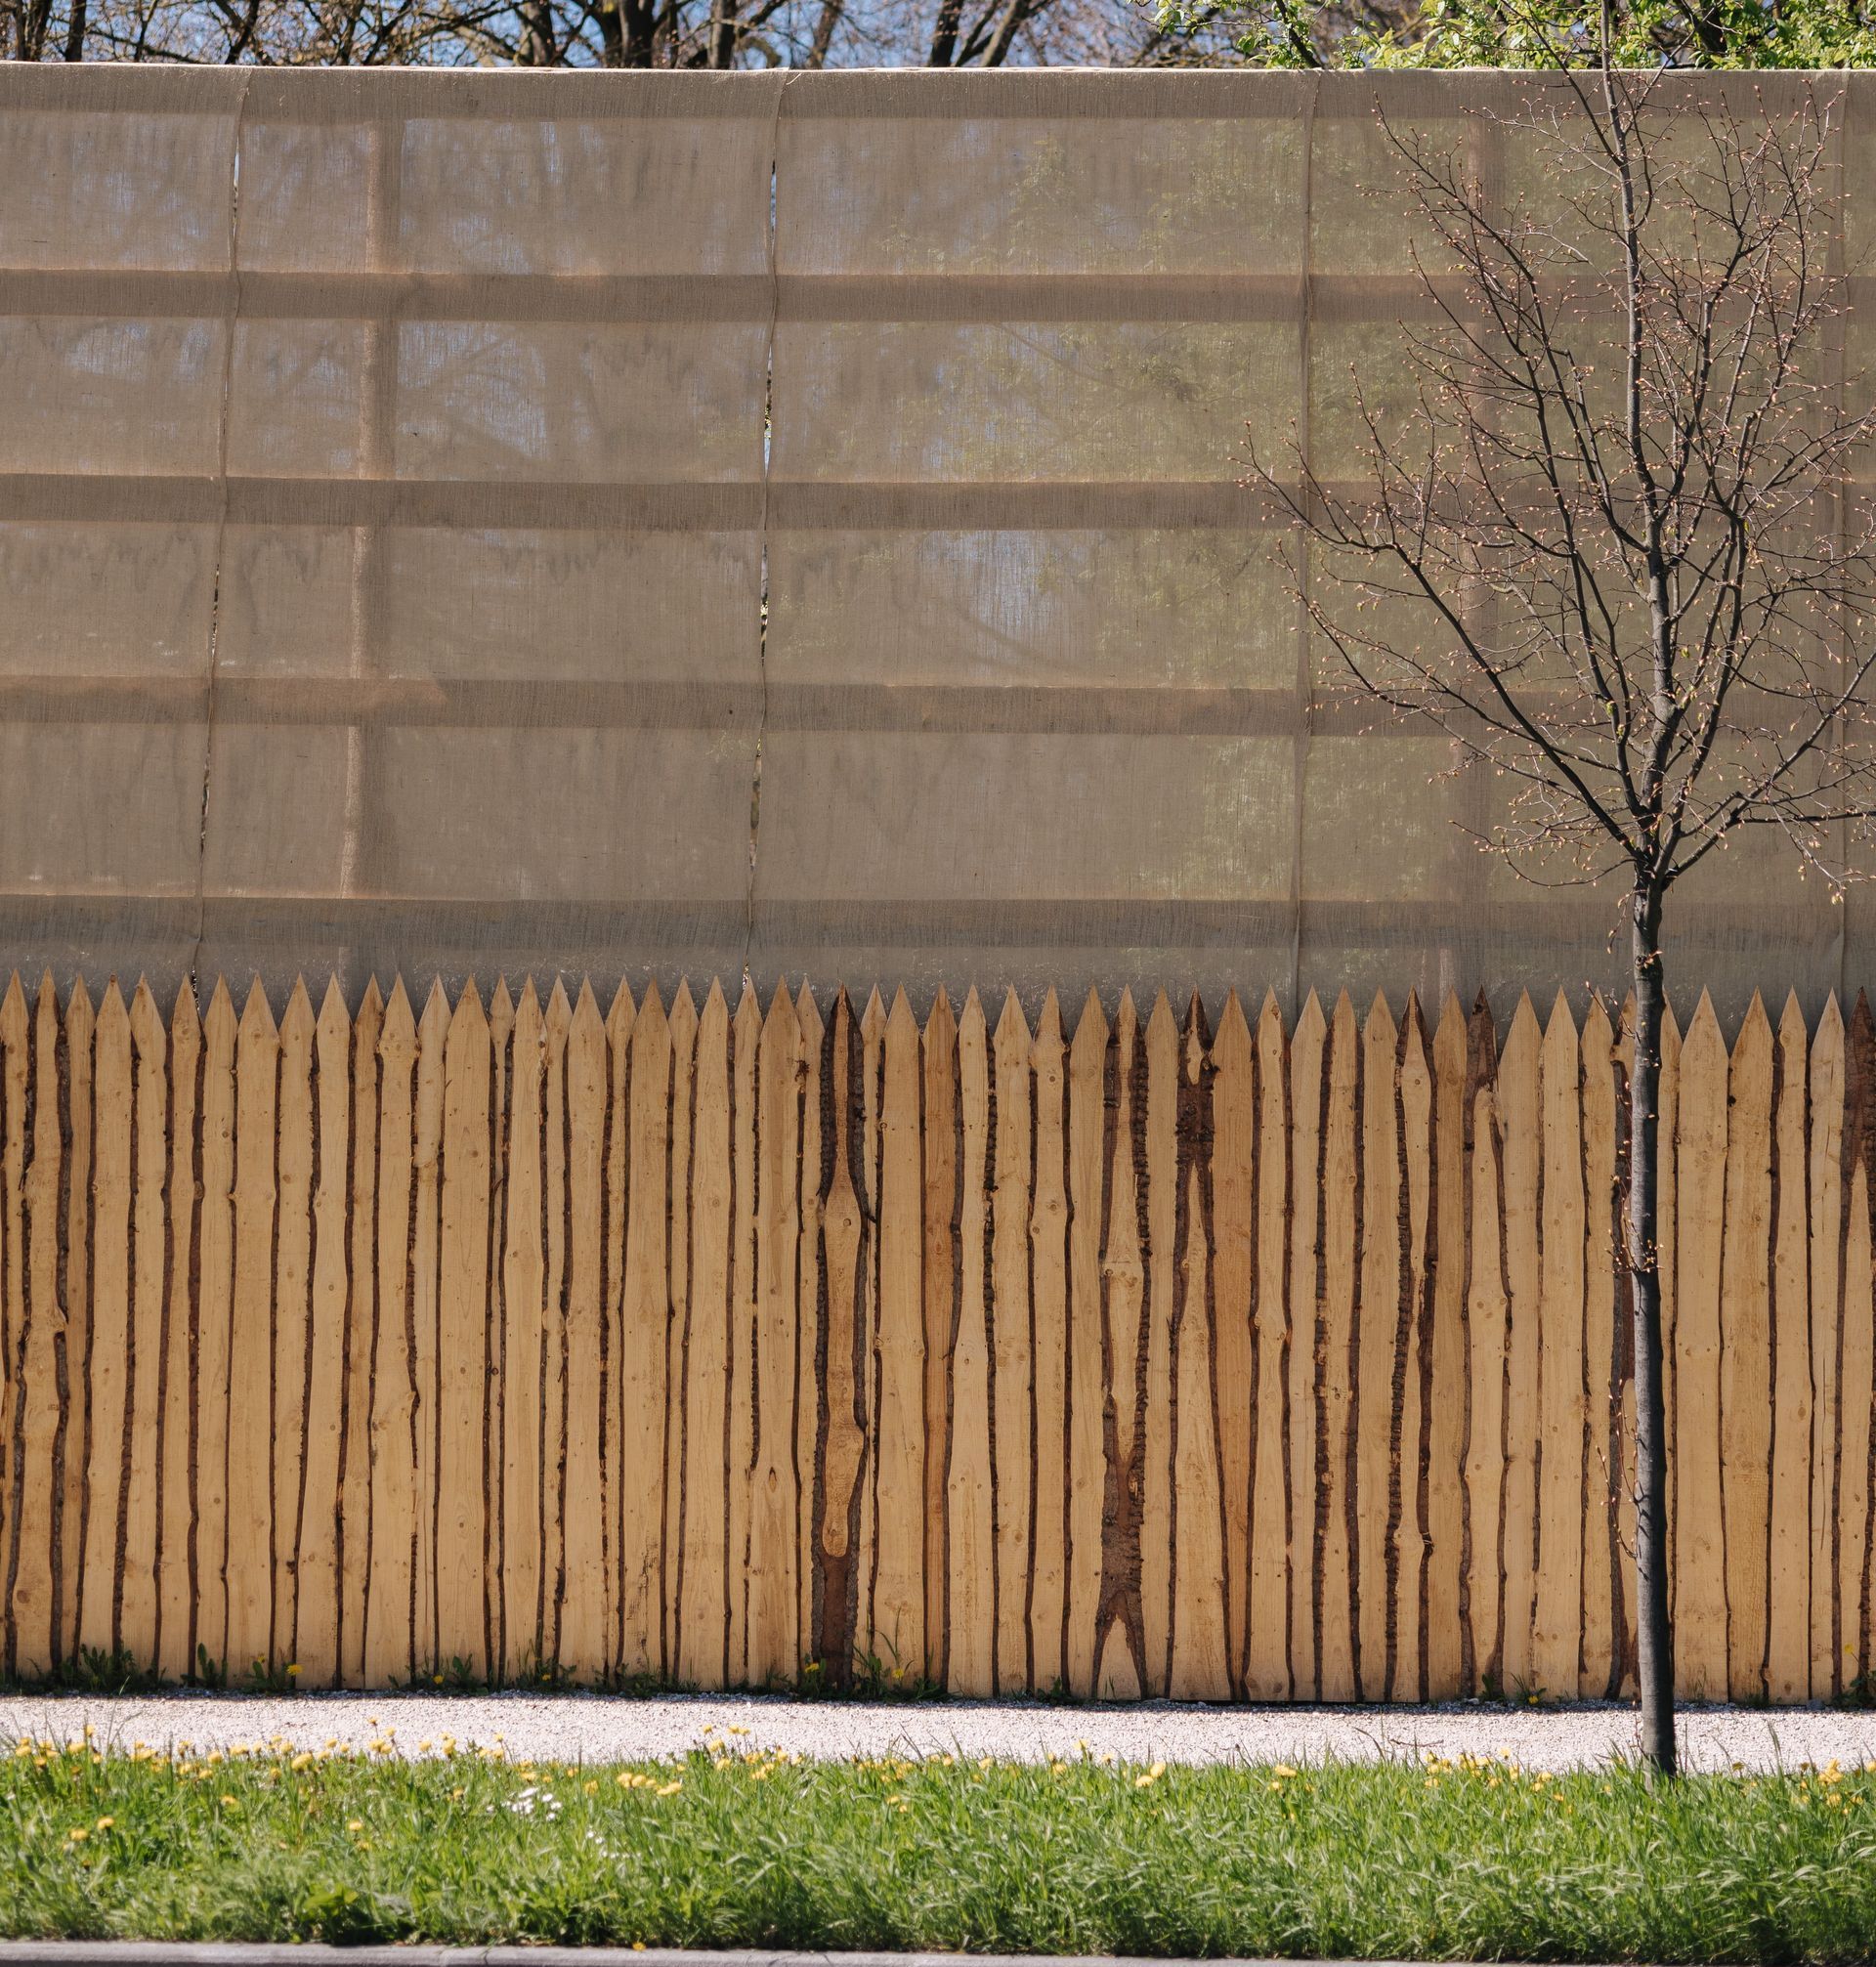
pixel 536 35
pixel 824 30
pixel 944 33
pixel 35 24
pixel 724 35
pixel 638 39
pixel 1014 15
pixel 1653 1634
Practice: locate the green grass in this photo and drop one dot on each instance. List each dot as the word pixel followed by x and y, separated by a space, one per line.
pixel 1473 1860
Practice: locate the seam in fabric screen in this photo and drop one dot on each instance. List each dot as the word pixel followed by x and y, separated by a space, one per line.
pixel 230 326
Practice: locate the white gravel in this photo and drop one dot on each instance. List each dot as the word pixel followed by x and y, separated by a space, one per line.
pixel 568 1727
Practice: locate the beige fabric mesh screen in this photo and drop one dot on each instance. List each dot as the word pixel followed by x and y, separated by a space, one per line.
pixel 391 466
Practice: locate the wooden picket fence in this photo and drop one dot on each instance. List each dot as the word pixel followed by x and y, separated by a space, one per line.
pixel 720 1346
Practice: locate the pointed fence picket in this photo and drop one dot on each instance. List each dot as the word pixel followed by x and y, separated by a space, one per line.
pixel 1005 1353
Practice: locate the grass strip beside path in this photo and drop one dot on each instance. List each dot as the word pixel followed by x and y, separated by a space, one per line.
pixel 1475 1859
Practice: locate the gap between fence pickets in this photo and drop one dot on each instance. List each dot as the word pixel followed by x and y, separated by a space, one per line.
pixel 778 1343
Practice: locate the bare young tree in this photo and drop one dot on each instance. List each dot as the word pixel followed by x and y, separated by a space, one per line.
pixel 1604 544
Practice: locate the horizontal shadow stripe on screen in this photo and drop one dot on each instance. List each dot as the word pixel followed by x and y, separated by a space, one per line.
pixel 605 925
pixel 263 294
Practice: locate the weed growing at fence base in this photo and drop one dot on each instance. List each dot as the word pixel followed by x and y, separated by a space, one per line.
pixel 96 1671
pixel 1466 1860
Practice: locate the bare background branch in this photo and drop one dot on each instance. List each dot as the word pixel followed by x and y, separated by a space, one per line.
pixel 711 34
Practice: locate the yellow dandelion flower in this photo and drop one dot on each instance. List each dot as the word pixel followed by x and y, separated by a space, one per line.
pixel 669 1789
pixel 355 1823
pixel 79 1835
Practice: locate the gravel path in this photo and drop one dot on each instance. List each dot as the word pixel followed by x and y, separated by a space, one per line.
pixel 597 1728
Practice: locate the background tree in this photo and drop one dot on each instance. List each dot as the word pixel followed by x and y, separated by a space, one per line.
pixel 1539 33
pixel 613 34
pixel 1604 544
